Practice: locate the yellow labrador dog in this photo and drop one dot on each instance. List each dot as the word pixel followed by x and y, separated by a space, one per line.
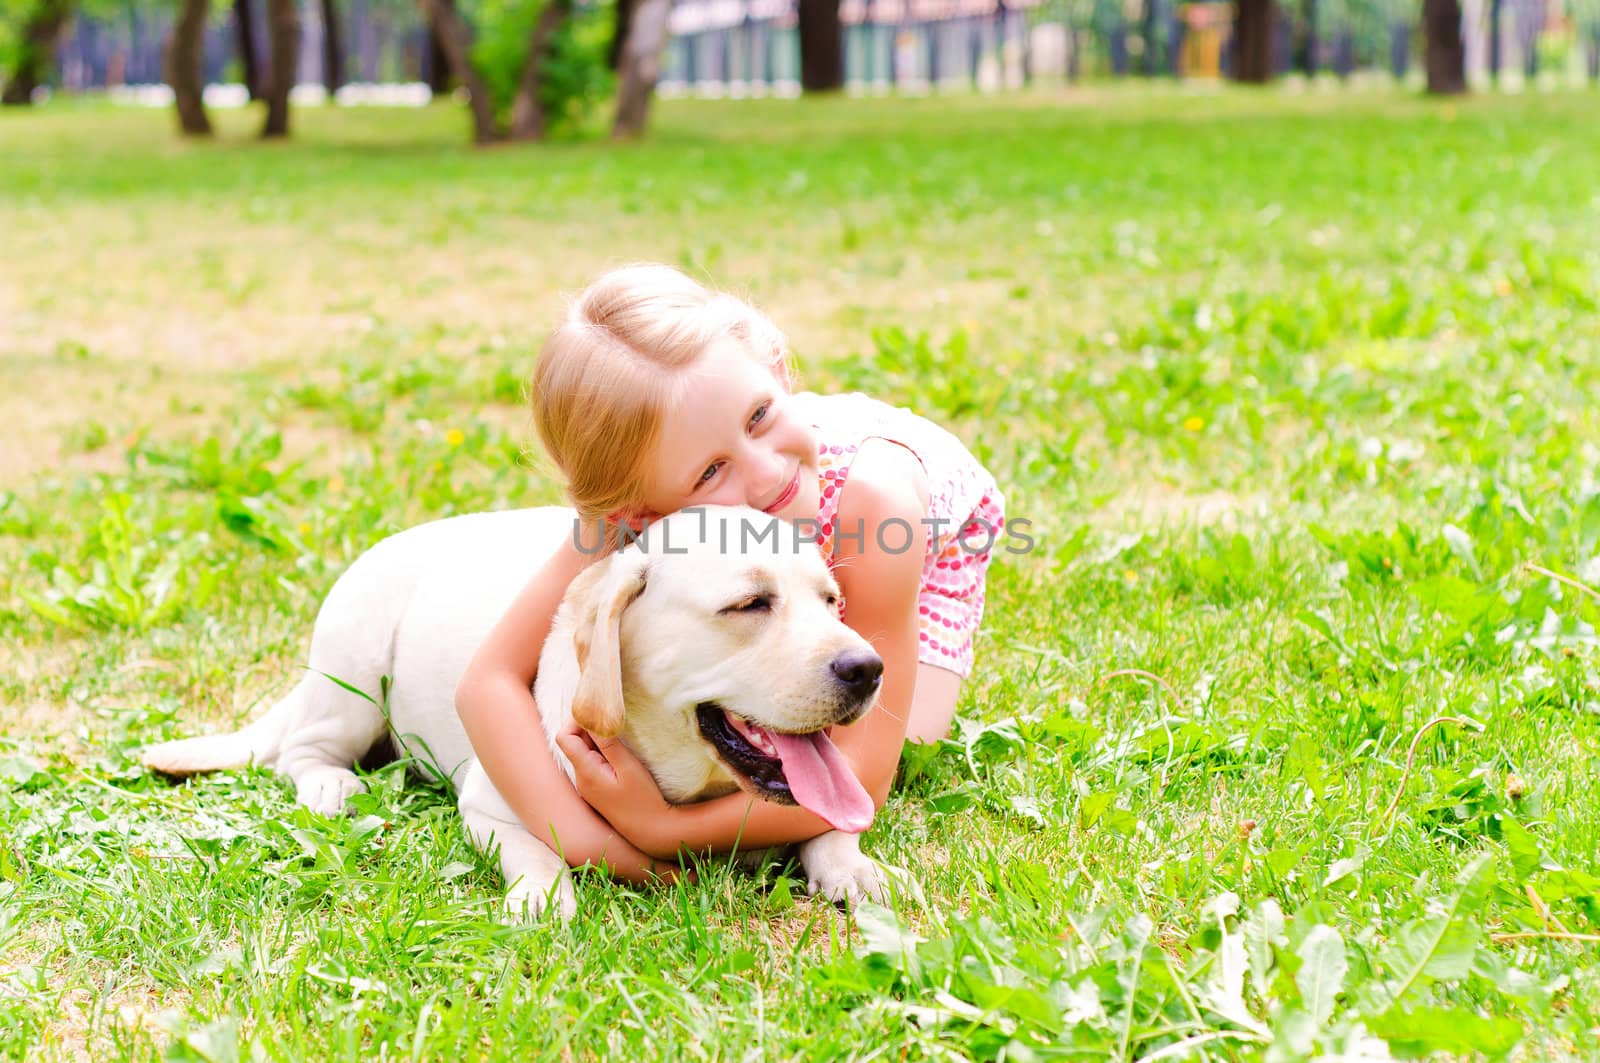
pixel 713 647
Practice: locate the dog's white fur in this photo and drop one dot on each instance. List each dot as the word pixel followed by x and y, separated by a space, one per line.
pixel 641 638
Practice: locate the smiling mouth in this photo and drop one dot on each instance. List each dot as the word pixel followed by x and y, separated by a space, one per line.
pixel 790 769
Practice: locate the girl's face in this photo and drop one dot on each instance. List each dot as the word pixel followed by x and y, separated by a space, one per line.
pixel 730 441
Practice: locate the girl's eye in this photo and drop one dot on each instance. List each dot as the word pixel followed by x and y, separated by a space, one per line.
pixel 760 414
pixel 711 470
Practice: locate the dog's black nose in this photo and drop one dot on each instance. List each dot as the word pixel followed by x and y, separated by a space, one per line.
pixel 859 672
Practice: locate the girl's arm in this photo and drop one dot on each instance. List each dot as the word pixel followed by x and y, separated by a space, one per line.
pixel 886 490
pixel 495 702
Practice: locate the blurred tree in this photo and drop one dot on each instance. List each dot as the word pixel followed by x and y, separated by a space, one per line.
pixel 33 51
pixel 1082 21
pixel 1312 59
pixel 1494 41
pixel 619 34
pixel 1149 58
pixel 1368 24
pixel 1588 20
pixel 1254 30
pixel 332 47
pixel 527 69
pixel 183 55
pixel 1527 21
pixel 283 33
pixel 184 69
pixel 821 46
pixel 640 67
pixel 1399 18
pixel 528 118
pixel 1348 33
pixel 438 68
pixel 244 31
pixel 1109 22
pixel 1445 54
pixel 455 39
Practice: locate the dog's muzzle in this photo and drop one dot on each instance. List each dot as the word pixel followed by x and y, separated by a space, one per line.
pixel 802 769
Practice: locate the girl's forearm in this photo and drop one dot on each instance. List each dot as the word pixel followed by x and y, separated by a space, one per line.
pixel 739 821
pixel 502 722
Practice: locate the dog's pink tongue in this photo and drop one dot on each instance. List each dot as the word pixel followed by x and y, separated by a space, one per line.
pixel 823 782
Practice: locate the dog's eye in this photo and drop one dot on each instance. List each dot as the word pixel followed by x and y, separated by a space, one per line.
pixel 761 603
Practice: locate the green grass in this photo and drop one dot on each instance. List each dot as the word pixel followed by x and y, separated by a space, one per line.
pixel 1294 391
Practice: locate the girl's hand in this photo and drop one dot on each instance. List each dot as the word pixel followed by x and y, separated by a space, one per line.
pixel 619 787
pixel 606 848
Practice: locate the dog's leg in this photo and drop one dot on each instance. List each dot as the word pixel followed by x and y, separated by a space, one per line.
pixel 837 869
pixel 352 649
pixel 333 730
pixel 536 877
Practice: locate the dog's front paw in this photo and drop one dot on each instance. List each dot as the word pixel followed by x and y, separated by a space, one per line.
pixel 858 878
pixel 527 902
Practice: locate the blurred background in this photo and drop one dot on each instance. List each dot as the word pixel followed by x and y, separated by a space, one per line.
pixel 536 68
pixel 1279 321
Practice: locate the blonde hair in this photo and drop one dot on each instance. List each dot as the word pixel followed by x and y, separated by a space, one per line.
pixel 608 373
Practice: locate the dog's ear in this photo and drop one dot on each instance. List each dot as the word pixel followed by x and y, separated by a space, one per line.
pixel 597 706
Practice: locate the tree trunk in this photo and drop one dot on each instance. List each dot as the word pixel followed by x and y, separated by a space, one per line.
pixel 821 46
pixel 1494 41
pixel 244 28
pixel 1176 28
pixel 1253 31
pixel 332 48
pixel 527 109
pixel 1344 55
pixel 619 35
pixel 1117 45
pixel 36 52
pixel 1147 34
pixel 641 66
pixel 283 31
pixel 438 66
pixel 184 54
pixel 1399 50
pixel 1445 53
pixel 1311 38
pixel 456 41
pixel 1529 18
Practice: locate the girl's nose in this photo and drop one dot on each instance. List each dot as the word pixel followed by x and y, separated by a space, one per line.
pixel 775 474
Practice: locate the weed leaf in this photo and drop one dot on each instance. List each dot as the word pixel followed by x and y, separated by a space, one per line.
pixel 1441 947
pixel 1423 1031
pixel 1460 544
pixel 1263 931
pixel 1322 970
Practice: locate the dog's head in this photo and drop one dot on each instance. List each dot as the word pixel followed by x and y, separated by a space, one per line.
pixel 720 635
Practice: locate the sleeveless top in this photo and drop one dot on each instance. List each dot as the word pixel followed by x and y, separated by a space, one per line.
pixel 965 511
pixel 957 483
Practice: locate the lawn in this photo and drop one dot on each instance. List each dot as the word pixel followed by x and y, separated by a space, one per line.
pixel 1284 737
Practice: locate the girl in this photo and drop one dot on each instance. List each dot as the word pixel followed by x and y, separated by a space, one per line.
pixel 656 394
